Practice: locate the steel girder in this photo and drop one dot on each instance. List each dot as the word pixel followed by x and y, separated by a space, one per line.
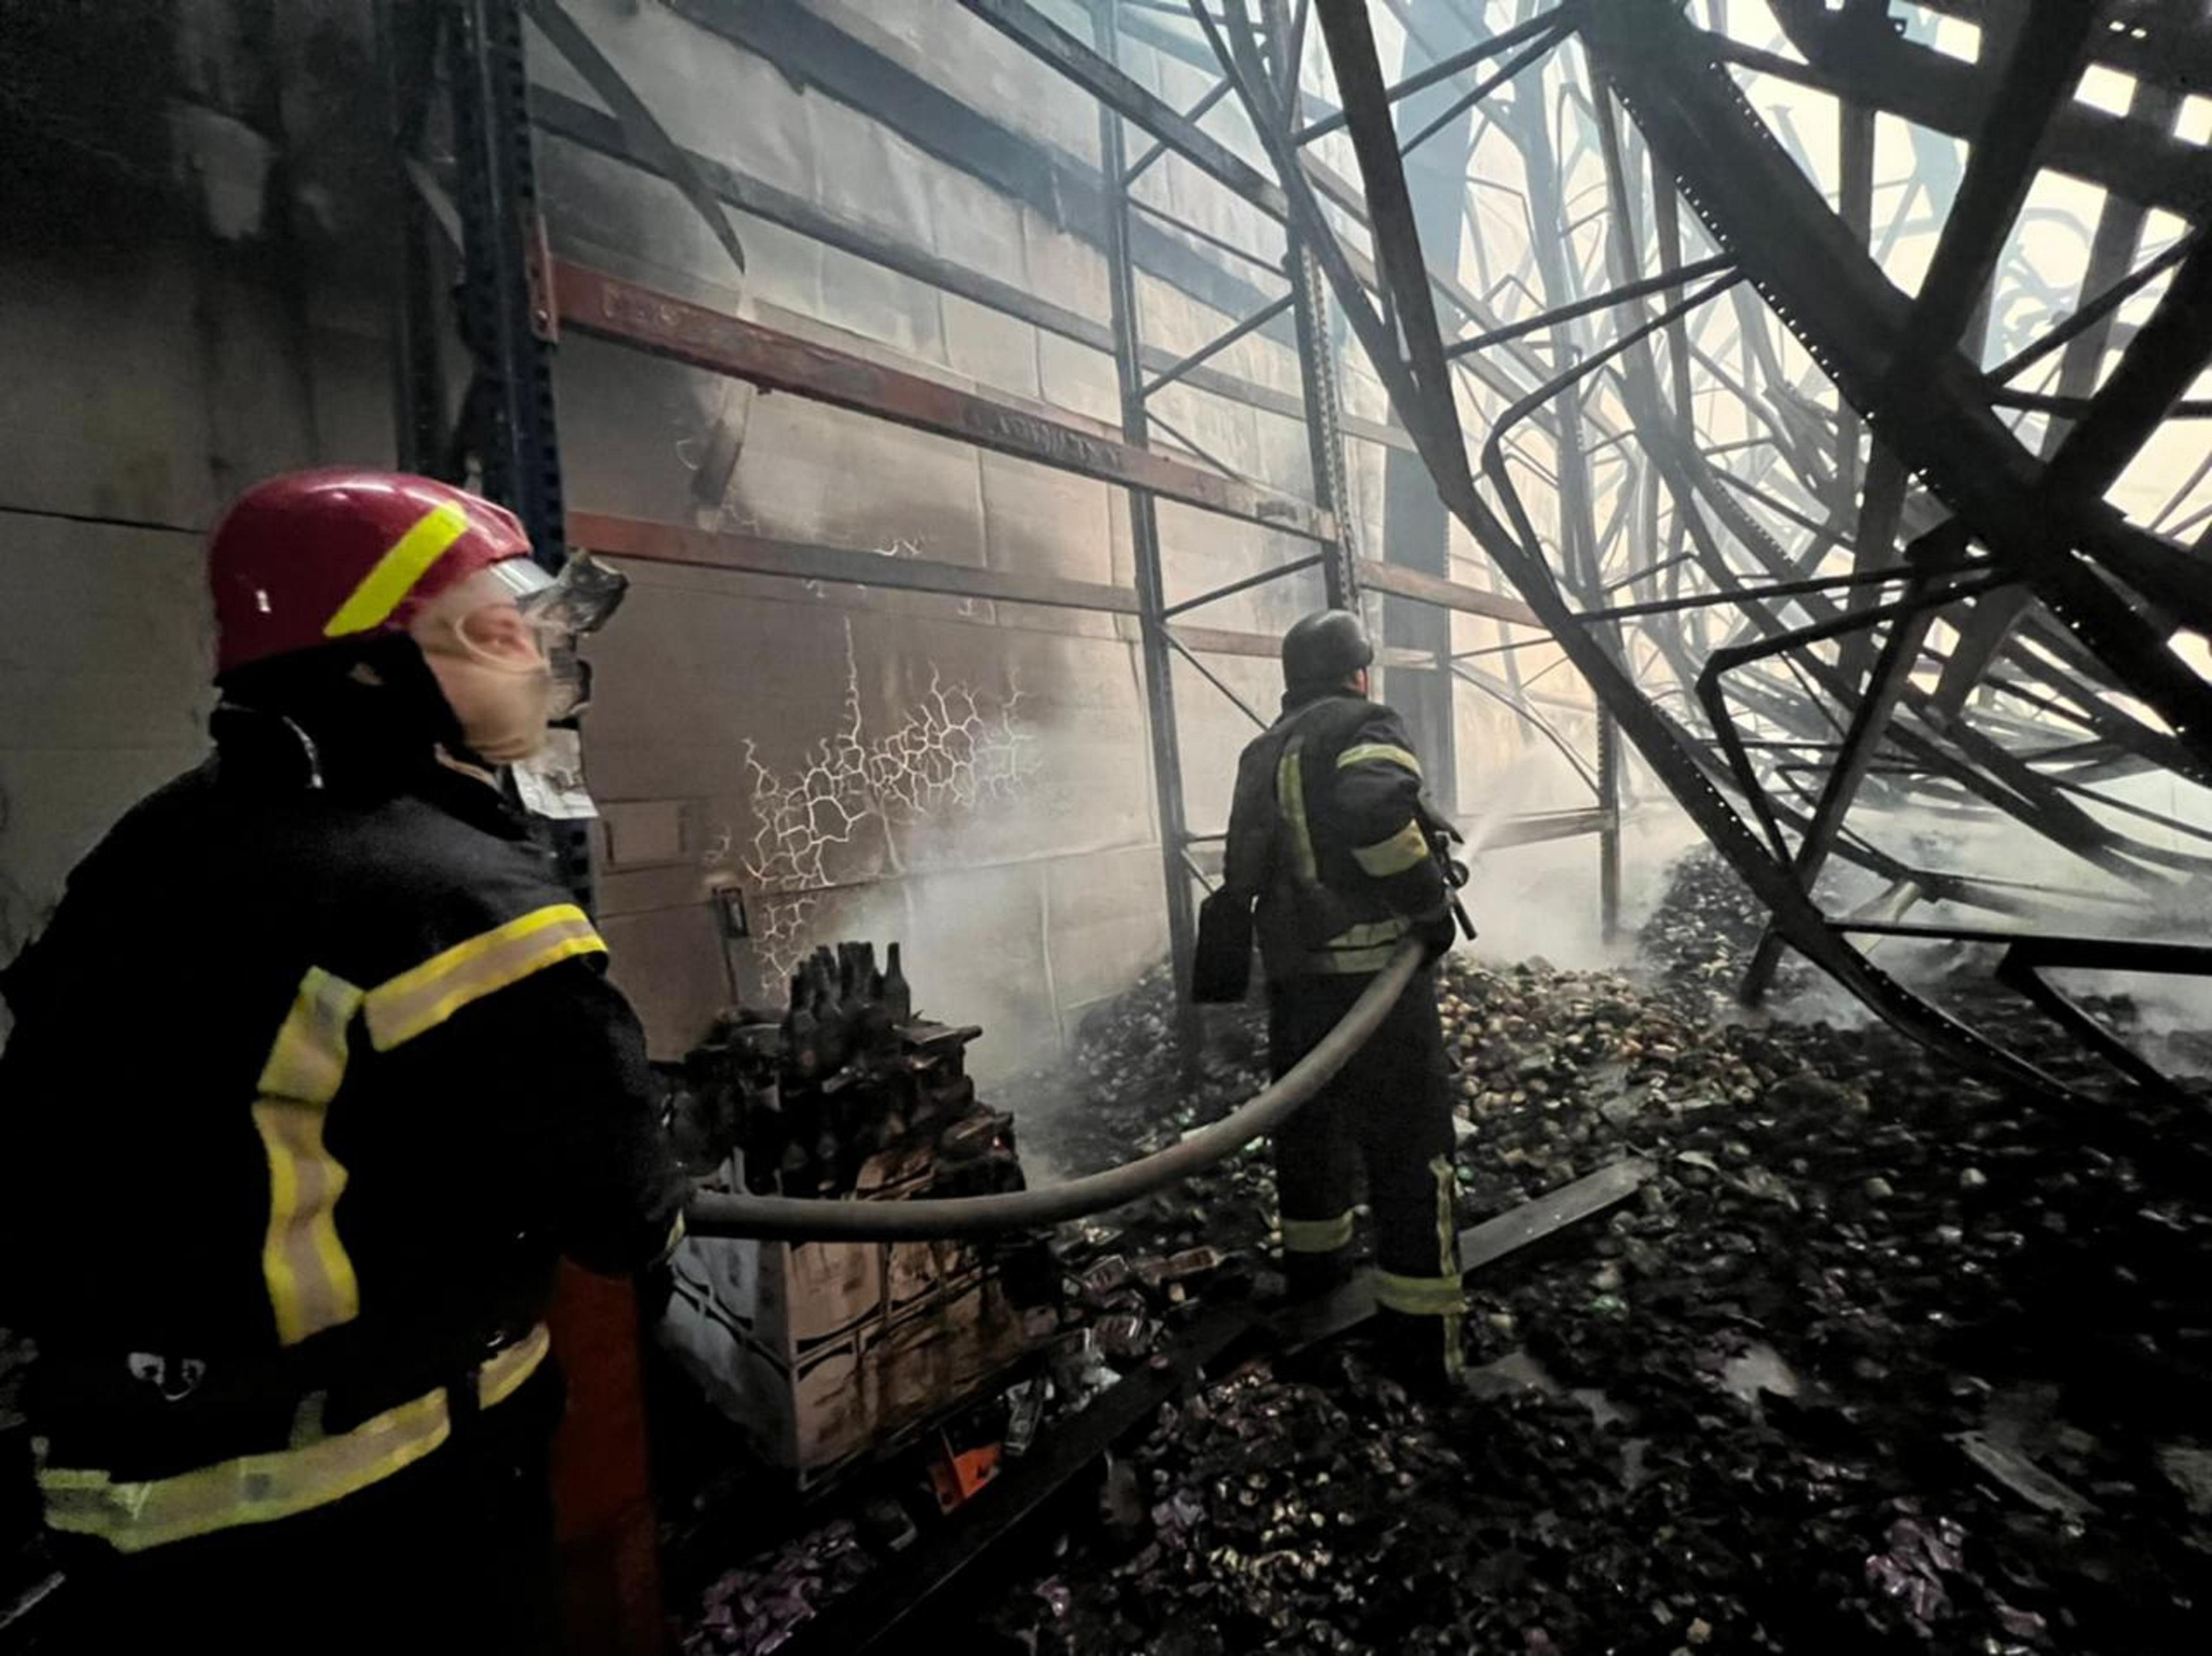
pixel 2034 720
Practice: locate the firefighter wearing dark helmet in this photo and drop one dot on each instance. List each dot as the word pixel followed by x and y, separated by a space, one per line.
pixel 1331 838
pixel 314 1076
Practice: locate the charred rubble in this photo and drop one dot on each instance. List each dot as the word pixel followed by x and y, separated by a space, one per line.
pixel 1882 1357
pixel 1701 935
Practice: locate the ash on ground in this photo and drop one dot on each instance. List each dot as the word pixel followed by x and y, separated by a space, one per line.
pixel 1883 1357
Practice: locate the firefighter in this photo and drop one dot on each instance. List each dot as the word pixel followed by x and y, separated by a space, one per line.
pixel 1331 838
pixel 314 1076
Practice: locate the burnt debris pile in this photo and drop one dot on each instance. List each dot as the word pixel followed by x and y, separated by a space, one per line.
pixel 1883 1357
pixel 843 1091
pixel 1702 933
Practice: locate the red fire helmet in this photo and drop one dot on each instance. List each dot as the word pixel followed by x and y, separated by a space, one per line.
pixel 306 559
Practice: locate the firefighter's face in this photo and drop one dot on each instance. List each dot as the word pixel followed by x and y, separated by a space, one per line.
pixel 490 661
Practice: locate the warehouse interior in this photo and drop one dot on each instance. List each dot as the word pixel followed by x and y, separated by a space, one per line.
pixel 1766 439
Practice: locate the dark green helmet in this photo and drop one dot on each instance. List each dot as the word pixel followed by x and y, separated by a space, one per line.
pixel 1324 648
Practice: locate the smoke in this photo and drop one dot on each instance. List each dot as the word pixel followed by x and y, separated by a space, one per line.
pixel 2165 1017
pixel 1541 899
pixel 2052 893
pixel 982 951
pixel 2168 1019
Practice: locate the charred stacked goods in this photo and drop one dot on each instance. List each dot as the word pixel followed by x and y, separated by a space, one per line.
pixel 823 1354
pixel 810 1103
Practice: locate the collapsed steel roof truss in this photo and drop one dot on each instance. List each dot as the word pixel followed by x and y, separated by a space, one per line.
pixel 1992 535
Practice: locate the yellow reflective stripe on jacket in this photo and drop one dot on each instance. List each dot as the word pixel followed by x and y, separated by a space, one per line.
pixel 309 1277
pixel 1365 947
pixel 422 998
pixel 393 576
pixel 1290 800
pixel 502 1375
pixel 309 1059
pixel 1407 849
pixel 1343 962
pixel 1419 1296
pixel 1381 753
pixel 1373 932
pixel 132 1517
pixel 1317 1235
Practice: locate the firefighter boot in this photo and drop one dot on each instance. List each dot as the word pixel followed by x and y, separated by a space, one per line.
pixel 1310 1277
pixel 1422 1353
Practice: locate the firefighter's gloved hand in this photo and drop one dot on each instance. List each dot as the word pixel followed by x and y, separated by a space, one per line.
pixel 1437 932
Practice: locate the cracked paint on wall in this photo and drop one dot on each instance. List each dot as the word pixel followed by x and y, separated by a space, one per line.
pixel 953 749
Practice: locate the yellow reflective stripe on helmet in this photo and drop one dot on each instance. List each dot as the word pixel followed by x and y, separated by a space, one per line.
pixel 393 576
pixel 1290 800
pixel 1407 849
pixel 1381 753
pixel 309 1277
pixel 1419 1296
pixel 132 1517
pixel 426 995
pixel 1317 1235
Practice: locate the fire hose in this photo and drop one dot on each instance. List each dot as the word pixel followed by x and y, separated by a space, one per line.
pixel 793 1218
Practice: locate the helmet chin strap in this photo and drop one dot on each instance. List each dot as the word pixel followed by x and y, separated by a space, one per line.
pixel 307 748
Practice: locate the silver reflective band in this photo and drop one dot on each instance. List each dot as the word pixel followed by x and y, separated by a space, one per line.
pixel 522 577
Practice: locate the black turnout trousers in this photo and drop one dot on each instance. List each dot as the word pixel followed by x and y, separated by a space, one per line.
pixel 1388 1113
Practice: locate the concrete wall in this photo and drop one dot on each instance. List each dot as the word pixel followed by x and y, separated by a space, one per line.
pixel 164 344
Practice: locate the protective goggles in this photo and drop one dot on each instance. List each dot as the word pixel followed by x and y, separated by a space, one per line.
pixel 555 612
